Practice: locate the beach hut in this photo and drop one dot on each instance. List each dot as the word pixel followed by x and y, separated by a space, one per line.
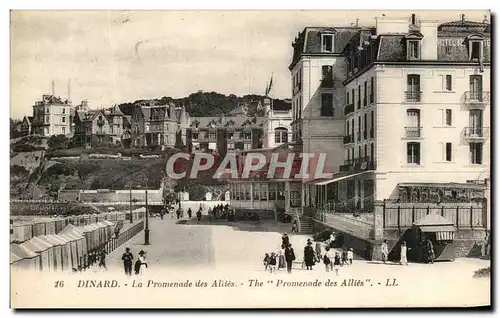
pixel 80 220
pixel 60 224
pixel 50 226
pixel 28 259
pixel 46 253
pixel 78 250
pixel 21 232
pixel 120 216
pixel 38 228
pixel 86 219
pixel 100 217
pixel 93 218
pixel 57 250
pixel 109 228
pixel 66 260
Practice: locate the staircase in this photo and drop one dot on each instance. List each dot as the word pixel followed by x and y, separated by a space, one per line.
pixel 306 225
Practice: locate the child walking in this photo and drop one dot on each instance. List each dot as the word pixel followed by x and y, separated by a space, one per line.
pixel 336 263
pixel 350 255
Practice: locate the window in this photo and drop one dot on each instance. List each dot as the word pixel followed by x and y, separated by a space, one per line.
pixel 448 117
pixel 230 146
pixel 352 96
pixel 365 130
pixel 372 90
pixel 64 130
pixel 413 152
pixel 360 152
pixel 64 110
pixel 47 119
pixel 365 92
pixel 327 42
pixel 63 119
pixel 280 135
pixel 476 153
pixel 475 50
pixel 448 151
pixel 413 88
pixel 247 146
pixel 347 128
pixel 359 96
pixel 195 136
pixel 263 191
pixel 413 50
pixel 47 110
pixel 372 126
pixel 448 85
pixel 366 150
pixel 327 105
pixel 372 152
pixel 211 135
pixel 272 191
pixel 326 71
pixel 347 98
pixel 300 106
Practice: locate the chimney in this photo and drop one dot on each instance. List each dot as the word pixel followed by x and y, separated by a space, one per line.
pixel 429 43
pixel 413 19
pixel 385 25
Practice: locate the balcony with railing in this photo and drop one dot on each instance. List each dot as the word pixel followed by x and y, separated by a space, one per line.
pixel 358 164
pixel 476 133
pixel 413 132
pixel 348 139
pixel 477 98
pixel 327 82
pixel 348 109
pixel 413 97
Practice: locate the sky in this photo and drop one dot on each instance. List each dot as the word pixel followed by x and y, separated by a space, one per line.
pixel 122 56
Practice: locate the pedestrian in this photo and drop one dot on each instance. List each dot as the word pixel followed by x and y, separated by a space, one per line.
pixel 331 241
pixel 178 213
pixel 328 259
pixel 127 258
pixel 336 263
pixel 289 257
pixel 350 255
pixel 402 258
pixel 430 251
pixel 294 228
pixel 385 251
pixel 102 259
pixel 318 250
pixel 344 257
pixel 272 263
pixel 309 257
pixel 198 215
pixel 281 259
pixel 190 213
pixel 266 261
pixel 141 264
pixel 117 231
pixel 285 240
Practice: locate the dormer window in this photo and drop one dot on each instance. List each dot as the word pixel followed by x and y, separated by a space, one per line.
pixel 413 41
pixel 475 44
pixel 475 50
pixel 327 40
pixel 413 50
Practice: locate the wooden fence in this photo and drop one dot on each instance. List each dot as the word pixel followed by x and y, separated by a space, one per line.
pixel 402 215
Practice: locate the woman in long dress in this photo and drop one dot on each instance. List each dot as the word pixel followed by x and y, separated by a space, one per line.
pixel 403 259
pixel 309 256
pixel 141 264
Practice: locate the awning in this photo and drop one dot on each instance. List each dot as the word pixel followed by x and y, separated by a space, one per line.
pixel 340 176
pixel 437 228
pixel 451 185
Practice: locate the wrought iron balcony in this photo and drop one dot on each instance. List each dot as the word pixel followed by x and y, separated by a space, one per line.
pixel 476 133
pixel 358 164
pixel 413 97
pixel 348 139
pixel 477 98
pixel 348 109
pixel 413 132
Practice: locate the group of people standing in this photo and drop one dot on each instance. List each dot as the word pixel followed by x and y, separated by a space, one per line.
pixel 426 255
pixel 140 264
pixel 221 212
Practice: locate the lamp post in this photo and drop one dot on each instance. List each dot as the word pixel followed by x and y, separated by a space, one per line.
pixel 146 228
pixel 130 189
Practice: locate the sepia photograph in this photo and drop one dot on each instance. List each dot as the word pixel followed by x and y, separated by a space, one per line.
pixel 250 159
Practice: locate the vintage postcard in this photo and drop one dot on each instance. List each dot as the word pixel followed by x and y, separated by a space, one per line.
pixel 250 159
